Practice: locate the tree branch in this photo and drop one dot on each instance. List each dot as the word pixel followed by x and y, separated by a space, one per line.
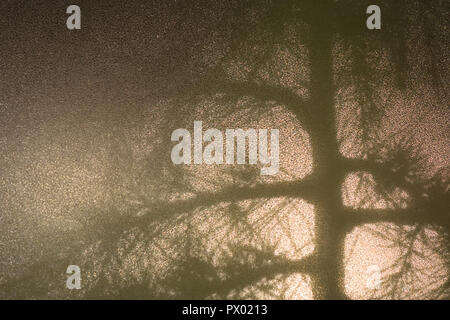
pixel 304 189
pixel 370 166
pixel 263 92
pixel 356 217
pixel 239 279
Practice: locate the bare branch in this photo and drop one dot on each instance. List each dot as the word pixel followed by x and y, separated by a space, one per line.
pixel 356 217
pixel 300 189
pixel 264 92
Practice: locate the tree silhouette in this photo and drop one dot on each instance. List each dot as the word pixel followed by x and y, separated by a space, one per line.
pixel 316 64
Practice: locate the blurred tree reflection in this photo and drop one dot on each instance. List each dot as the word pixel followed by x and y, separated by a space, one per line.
pixel 179 232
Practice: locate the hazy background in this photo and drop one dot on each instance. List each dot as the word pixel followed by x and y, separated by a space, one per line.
pixel 85 124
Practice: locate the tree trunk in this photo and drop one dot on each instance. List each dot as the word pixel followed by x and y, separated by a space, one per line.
pixel 327 161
